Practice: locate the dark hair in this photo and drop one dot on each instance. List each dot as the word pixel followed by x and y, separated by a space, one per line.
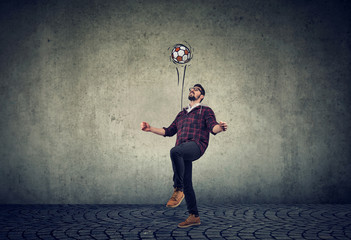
pixel 202 89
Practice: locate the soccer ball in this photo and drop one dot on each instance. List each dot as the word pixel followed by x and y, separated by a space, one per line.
pixel 180 54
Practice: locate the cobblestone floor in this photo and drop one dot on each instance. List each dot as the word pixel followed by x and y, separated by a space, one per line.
pixel 236 221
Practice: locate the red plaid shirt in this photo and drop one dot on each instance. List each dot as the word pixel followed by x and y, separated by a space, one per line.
pixel 194 126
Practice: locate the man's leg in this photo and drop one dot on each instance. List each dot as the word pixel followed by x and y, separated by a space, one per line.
pixel 178 167
pixel 181 155
pixel 190 197
pixel 185 152
pixel 189 193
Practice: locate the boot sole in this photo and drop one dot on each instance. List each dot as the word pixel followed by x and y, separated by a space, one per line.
pixel 193 224
pixel 174 206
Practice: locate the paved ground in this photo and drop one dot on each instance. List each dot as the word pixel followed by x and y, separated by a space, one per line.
pixel 157 222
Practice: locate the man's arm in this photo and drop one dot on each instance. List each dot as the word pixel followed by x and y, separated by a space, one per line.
pixel 212 124
pixel 147 128
pixel 166 132
pixel 222 126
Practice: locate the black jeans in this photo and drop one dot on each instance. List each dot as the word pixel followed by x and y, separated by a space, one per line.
pixel 182 157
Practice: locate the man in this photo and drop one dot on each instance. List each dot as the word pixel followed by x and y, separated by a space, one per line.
pixel 192 126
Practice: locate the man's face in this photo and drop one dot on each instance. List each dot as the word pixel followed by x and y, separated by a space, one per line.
pixel 194 93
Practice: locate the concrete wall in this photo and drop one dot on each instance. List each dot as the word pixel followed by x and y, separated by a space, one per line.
pixel 78 77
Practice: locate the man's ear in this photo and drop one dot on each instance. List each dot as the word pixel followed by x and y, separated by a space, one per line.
pixel 202 96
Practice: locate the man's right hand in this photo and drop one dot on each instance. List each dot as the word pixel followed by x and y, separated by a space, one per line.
pixel 145 126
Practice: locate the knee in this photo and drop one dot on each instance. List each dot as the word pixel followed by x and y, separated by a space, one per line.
pixel 175 152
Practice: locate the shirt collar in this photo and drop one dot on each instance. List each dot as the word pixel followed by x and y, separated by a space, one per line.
pixel 189 108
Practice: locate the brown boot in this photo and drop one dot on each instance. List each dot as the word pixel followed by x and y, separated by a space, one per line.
pixel 176 199
pixel 190 221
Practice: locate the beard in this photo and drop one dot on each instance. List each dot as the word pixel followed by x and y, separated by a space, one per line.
pixel 191 98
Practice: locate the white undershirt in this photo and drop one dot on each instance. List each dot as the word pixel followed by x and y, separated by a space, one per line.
pixel 189 108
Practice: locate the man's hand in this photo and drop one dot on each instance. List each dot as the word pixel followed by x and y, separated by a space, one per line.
pixel 223 125
pixel 145 126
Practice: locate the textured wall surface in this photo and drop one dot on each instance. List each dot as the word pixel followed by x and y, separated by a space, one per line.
pixel 78 77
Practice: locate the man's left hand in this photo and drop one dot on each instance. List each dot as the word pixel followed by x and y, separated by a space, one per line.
pixel 223 125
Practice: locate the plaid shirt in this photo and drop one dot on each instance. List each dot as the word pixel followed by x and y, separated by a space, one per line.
pixel 193 126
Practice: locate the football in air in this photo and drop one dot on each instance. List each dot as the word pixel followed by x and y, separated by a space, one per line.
pixel 180 54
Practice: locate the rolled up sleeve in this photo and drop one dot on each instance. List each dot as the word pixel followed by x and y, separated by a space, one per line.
pixel 210 120
pixel 172 129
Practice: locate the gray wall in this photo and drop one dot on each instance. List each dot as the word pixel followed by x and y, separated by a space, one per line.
pixel 77 78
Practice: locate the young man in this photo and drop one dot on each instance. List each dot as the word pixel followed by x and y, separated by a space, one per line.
pixel 192 126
